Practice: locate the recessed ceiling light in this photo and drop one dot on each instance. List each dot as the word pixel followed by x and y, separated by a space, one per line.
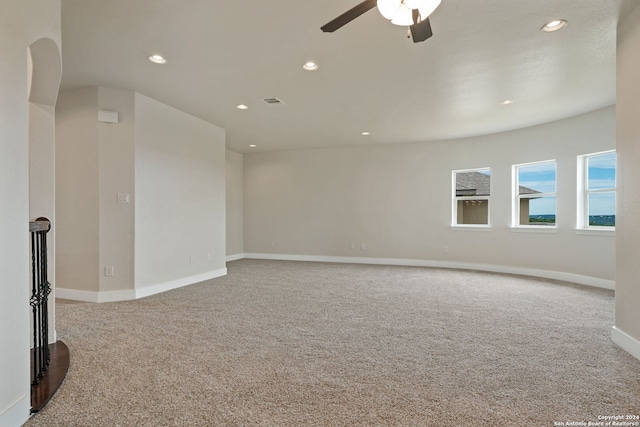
pixel 253 145
pixel 506 102
pixel 365 133
pixel 552 26
pixel 310 66
pixel 242 107
pixel 158 59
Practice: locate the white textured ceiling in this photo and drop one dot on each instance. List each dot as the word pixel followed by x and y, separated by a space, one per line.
pixel 371 78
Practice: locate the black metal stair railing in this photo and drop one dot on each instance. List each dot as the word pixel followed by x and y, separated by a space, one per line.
pixel 49 362
pixel 40 290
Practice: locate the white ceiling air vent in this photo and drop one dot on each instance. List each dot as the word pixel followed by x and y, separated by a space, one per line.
pixel 273 101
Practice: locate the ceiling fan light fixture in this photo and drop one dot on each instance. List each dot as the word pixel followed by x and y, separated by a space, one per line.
pixel 400 12
pixel 428 7
pixel 388 8
pixel 407 13
pixel 415 4
pixel 404 16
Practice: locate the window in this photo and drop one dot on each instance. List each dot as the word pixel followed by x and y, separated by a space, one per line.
pixel 471 196
pixel 534 194
pixel 597 190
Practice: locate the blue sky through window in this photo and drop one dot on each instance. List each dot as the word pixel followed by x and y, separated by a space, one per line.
pixel 541 178
pixel 602 204
pixel 602 171
pixel 601 174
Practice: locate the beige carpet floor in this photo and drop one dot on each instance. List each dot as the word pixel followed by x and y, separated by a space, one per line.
pixel 312 344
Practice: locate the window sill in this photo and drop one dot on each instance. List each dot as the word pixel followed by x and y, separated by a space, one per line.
pixel 534 229
pixel 596 232
pixel 471 227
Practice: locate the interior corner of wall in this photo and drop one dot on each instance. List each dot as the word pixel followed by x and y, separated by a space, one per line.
pixel 625 341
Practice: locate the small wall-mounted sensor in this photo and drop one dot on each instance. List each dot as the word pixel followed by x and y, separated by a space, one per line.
pixel 123 197
pixel 107 116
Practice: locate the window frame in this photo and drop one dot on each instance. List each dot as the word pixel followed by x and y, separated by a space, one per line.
pixel 517 197
pixel 583 193
pixel 456 198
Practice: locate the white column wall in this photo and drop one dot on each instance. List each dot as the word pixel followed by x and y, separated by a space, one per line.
pixel 42 189
pixel 116 175
pixel 22 22
pixel 77 191
pixel 234 204
pixel 627 330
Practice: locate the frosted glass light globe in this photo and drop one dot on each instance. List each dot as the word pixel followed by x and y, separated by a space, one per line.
pixel 415 4
pixel 388 8
pixel 404 16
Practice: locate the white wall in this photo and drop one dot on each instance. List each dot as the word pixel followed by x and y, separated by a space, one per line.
pixel 172 167
pixel 180 197
pixel 627 330
pixel 77 190
pixel 396 200
pixel 234 194
pixel 116 175
pixel 95 162
pixel 42 188
pixel 22 22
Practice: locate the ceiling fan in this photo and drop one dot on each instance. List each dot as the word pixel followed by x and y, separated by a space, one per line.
pixel 411 13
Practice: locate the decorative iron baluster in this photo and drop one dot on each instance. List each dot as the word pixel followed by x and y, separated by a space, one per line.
pixel 40 290
pixel 33 301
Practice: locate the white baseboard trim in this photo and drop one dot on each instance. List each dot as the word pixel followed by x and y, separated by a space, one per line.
pixel 626 342
pixel 234 257
pixel 178 283
pixel 17 414
pixel 547 274
pixel 97 297
pixel 131 294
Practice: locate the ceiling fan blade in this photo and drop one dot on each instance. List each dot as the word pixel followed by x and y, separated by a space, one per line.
pixel 421 31
pixel 349 16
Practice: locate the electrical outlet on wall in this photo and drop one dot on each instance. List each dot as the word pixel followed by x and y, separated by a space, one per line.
pixel 445 249
pixel 352 245
pixel 363 246
pixel 109 271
